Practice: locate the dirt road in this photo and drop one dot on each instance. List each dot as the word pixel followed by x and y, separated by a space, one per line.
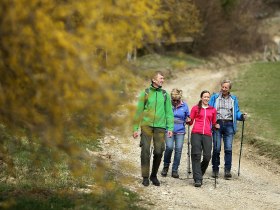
pixel 257 187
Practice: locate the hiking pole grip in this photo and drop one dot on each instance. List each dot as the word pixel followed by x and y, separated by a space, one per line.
pixel 241 143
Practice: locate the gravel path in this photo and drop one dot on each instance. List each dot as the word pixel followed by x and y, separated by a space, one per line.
pixel 257 187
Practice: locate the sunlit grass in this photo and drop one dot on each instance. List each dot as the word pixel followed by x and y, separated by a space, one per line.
pixel 58 189
pixel 258 90
pixel 44 198
pixel 168 61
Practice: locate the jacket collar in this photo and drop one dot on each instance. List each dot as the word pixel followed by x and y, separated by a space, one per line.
pixel 154 88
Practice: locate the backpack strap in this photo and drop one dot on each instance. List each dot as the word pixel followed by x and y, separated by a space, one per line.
pixel 164 95
pixel 147 90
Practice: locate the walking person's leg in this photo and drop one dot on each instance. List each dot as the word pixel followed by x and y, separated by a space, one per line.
pixel 169 143
pixel 179 142
pixel 216 150
pixel 159 147
pixel 196 142
pixel 228 138
pixel 145 143
pixel 206 147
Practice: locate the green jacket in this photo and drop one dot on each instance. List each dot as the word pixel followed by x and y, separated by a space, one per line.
pixel 157 111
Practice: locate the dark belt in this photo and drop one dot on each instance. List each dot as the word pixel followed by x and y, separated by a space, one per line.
pixel 224 121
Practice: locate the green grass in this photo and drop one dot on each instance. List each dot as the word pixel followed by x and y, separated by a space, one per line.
pixel 16 197
pixel 168 63
pixel 41 190
pixel 258 91
pixel 171 61
pixel 46 184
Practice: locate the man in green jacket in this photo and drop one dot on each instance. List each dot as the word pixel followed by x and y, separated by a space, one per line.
pixel 155 116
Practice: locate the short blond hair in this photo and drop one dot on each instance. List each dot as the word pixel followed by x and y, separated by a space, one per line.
pixel 176 94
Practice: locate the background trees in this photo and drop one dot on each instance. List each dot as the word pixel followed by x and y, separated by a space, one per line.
pixel 229 26
pixel 55 82
pixel 183 18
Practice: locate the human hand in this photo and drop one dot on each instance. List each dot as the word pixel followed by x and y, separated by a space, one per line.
pixel 188 119
pixel 217 126
pixel 169 133
pixel 135 134
pixel 244 116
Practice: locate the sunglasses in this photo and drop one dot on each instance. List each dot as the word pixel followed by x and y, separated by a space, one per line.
pixel 176 101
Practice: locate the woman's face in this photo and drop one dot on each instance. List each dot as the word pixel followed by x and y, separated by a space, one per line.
pixel 175 102
pixel 205 98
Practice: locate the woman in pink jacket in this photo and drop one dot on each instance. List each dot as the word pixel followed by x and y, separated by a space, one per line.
pixel 204 118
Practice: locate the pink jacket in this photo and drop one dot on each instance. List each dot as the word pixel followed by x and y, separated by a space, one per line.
pixel 204 120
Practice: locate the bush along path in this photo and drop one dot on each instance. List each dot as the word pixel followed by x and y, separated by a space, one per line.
pixel 257 187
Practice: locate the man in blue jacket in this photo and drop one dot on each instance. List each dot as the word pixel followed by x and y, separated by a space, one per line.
pixel 228 113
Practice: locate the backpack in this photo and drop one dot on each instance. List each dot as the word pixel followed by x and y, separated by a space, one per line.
pixel 147 90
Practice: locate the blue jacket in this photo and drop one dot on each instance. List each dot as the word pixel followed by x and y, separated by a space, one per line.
pixel 180 115
pixel 237 115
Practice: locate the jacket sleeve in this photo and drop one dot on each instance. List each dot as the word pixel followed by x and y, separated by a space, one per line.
pixel 212 100
pixel 139 111
pixel 238 112
pixel 169 113
pixel 192 115
pixel 187 111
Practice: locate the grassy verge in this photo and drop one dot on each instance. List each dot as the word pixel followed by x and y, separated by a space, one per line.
pixel 44 198
pixel 84 184
pixel 167 63
pixel 172 60
pixel 258 90
pixel 41 189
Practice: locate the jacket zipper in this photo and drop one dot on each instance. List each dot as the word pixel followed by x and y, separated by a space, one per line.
pixel 155 111
pixel 204 120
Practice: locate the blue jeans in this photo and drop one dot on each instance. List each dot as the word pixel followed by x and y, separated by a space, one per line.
pixel 226 133
pixel 178 140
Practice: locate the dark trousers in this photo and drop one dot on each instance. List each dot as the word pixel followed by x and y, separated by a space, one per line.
pixel 200 144
pixel 158 135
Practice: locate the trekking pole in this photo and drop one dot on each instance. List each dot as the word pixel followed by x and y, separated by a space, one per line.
pixel 241 147
pixel 216 155
pixel 189 158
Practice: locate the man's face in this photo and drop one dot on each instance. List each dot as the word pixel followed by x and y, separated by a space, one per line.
pixel 158 81
pixel 225 88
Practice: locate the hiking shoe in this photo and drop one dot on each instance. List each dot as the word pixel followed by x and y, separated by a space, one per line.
pixel 228 175
pixel 197 183
pixel 215 174
pixel 146 181
pixel 164 171
pixel 175 174
pixel 155 181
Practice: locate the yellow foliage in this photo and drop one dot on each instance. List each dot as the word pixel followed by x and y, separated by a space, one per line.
pixel 50 64
pixel 61 71
pixel 183 18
